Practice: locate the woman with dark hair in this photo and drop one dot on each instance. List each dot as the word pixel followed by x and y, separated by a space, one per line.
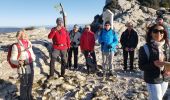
pixel 152 62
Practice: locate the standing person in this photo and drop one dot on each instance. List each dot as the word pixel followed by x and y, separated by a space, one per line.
pixel 87 43
pixel 152 62
pixel 61 43
pixel 108 40
pixel 97 34
pixel 75 42
pixel 129 41
pixel 24 63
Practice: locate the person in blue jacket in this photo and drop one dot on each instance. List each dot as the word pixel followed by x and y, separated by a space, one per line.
pixel 108 39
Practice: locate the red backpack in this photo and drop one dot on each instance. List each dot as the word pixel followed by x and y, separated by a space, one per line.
pixel 9 54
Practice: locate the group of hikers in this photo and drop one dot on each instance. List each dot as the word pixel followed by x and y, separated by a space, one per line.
pixel 65 43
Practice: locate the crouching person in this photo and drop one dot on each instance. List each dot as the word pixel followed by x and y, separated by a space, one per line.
pixel 23 57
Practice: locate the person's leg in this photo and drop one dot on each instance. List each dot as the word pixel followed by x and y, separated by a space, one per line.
pixel 23 87
pixel 155 91
pixel 125 57
pixel 75 57
pixel 164 86
pixel 104 63
pixel 131 53
pixel 94 59
pixel 54 56
pixel 30 82
pixel 86 53
pixel 110 60
pixel 69 57
pixel 63 61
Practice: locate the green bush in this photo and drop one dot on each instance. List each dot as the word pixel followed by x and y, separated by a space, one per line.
pixel 165 5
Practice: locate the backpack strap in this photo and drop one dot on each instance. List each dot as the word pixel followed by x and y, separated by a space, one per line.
pixel 146 49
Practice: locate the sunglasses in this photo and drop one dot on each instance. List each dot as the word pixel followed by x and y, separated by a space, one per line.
pixel 107 25
pixel 156 31
pixel 86 28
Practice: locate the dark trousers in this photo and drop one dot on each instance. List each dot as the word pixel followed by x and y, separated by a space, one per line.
pixel 86 53
pixel 26 81
pixel 125 58
pixel 75 51
pixel 56 55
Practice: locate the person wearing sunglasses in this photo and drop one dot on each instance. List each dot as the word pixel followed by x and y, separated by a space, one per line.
pixel 108 39
pixel 155 75
pixel 129 41
pixel 87 43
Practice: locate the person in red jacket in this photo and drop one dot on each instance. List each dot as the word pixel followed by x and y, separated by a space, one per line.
pixel 61 43
pixel 87 43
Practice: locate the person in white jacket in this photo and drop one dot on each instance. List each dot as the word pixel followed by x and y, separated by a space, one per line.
pixel 24 63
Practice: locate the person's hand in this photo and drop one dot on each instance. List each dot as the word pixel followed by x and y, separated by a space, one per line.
pixel 126 49
pixel 74 43
pixel 166 73
pixel 109 46
pixel 132 49
pixel 21 62
pixel 158 63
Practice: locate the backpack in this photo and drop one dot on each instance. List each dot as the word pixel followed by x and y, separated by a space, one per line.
pixel 9 54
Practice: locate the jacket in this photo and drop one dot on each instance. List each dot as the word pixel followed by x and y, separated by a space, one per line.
pixel 129 40
pixel 61 40
pixel 106 38
pixel 75 37
pixel 87 41
pixel 152 74
pixel 23 56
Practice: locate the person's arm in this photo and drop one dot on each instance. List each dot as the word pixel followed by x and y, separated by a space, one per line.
pixel 115 40
pixel 14 55
pixel 122 40
pixel 68 40
pixel 51 34
pixel 136 40
pixel 144 63
pixel 82 42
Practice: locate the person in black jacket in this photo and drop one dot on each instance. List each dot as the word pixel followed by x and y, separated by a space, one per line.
pixel 152 62
pixel 129 41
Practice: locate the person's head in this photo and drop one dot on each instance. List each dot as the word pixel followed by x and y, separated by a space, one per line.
pixel 107 25
pixel 87 28
pixel 129 25
pixel 159 20
pixel 21 35
pixel 59 21
pixel 75 28
pixel 157 33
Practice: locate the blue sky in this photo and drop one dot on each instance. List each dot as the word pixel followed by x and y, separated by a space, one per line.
pixel 21 13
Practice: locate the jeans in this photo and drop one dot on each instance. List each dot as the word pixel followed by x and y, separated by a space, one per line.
pixel 157 91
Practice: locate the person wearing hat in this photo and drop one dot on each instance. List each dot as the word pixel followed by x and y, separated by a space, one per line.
pixel 129 41
pixel 75 42
pixel 87 43
pixel 108 39
pixel 61 43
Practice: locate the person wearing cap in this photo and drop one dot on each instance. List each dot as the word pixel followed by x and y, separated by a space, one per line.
pixel 129 41
pixel 25 63
pixel 87 43
pixel 108 39
pixel 75 42
pixel 61 43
